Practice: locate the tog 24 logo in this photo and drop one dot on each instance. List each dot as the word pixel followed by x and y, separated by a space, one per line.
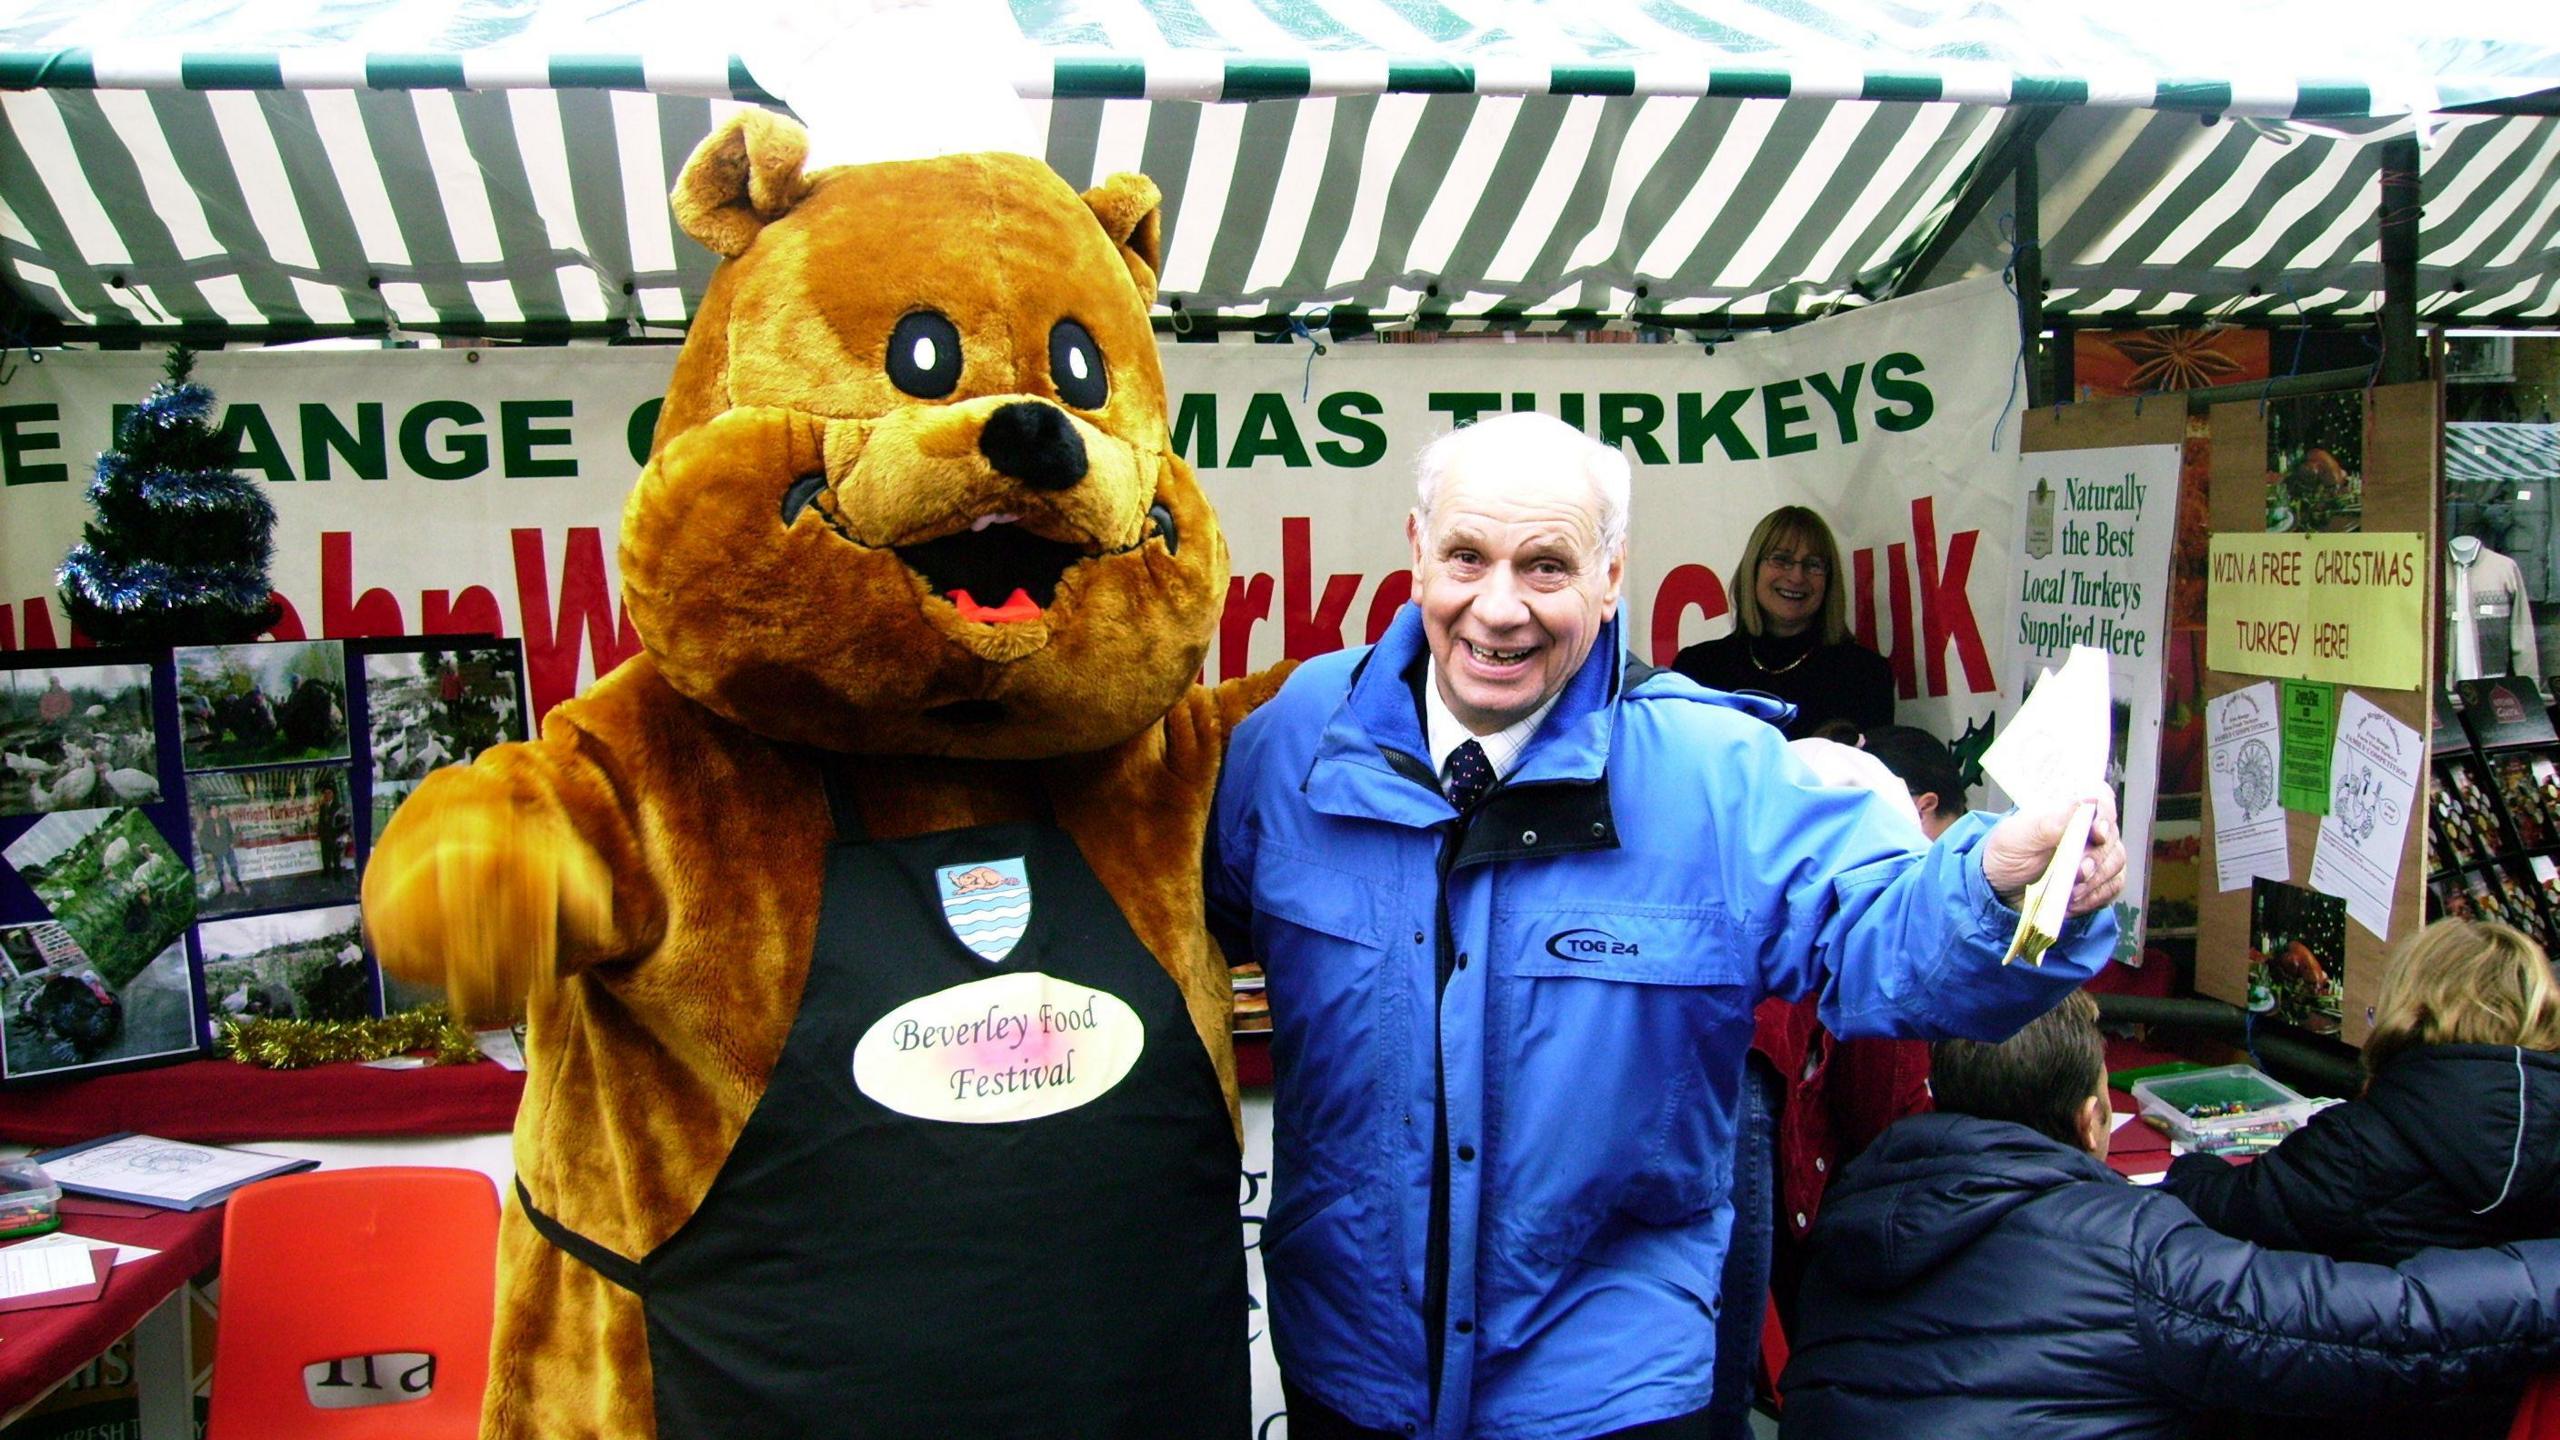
pixel 1588 945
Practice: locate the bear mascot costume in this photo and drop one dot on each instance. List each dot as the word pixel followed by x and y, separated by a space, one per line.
pixel 879 1080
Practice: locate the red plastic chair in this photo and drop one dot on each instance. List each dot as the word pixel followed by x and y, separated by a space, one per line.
pixel 343 1264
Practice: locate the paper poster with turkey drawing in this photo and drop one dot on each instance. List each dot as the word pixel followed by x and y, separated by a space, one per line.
pixel 2373 775
pixel 2241 749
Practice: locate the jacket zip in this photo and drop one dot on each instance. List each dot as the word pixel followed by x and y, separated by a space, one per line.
pixel 1435 1263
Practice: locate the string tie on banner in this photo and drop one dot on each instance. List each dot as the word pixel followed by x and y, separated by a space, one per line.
pixel 2301 333
pixel 2009 281
pixel 1298 330
pixel 2393 180
pixel 14 338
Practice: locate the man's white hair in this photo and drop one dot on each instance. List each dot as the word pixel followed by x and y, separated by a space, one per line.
pixel 1529 440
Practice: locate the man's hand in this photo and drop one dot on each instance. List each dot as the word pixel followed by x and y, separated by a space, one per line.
pixel 2019 847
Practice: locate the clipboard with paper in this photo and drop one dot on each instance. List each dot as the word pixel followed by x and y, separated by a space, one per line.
pixel 2055 752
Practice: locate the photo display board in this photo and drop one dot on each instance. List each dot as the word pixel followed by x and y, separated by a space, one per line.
pixel 2323 812
pixel 182 832
pixel 96 898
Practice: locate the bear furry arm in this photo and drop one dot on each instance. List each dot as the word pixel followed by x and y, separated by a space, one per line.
pixel 1213 721
pixel 520 867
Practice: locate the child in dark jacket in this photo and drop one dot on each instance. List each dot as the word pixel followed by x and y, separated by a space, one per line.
pixel 2455 1142
pixel 1980 1272
pixel 2457 1138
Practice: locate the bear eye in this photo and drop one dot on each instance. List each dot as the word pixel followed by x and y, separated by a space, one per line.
pixel 1075 366
pixel 924 355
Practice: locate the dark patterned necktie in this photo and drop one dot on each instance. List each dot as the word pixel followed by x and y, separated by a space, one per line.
pixel 1469 776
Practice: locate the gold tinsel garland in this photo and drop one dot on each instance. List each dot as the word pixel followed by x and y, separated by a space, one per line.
pixel 294 1044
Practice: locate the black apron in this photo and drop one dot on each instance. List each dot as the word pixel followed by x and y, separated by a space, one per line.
pixel 856 1271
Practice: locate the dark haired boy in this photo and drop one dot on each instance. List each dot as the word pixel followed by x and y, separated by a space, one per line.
pixel 1981 1272
pixel 1923 763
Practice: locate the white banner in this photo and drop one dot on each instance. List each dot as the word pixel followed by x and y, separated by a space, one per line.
pixel 447 491
pixel 2094 533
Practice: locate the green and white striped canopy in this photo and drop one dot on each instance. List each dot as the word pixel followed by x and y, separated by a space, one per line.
pixel 268 170
pixel 2502 454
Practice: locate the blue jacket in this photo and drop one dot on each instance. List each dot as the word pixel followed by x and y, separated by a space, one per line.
pixel 1973 1280
pixel 1507 1053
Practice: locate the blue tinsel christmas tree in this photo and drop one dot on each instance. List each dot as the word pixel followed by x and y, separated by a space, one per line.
pixel 178 552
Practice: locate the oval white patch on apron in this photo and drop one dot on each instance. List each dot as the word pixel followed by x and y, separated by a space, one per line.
pixel 1009 1047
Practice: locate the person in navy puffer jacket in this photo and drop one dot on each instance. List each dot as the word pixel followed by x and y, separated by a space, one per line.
pixel 2456 1140
pixel 1980 1272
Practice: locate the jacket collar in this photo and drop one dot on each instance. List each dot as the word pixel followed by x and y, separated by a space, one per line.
pixel 1933 1185
pixel 1370 762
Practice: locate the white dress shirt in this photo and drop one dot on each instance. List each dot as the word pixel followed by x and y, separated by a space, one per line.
pixel 1444 732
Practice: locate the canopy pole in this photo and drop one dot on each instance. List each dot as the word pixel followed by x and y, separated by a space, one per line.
pixel 2027 274
pixel 25 325
pixel 2403 359
pixel 2281 387
pixel 2019 131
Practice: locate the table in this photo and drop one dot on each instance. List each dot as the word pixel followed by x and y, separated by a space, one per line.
pixel 316 1113
pixel 2138 1152
pixel 39 1349
pixel 222 1102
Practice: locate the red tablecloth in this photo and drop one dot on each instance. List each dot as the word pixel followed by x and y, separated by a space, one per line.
pixel 39 1347
pixel 222 1102
pixel 2138 1150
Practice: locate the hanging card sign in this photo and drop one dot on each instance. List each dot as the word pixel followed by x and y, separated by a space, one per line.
pixel 2349 609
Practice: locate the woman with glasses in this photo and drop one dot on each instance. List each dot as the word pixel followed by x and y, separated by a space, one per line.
pixel 1791 631
pixel 1809 1100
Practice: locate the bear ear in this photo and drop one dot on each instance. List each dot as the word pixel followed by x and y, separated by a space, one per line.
pixel 1126 205
pixel 742 177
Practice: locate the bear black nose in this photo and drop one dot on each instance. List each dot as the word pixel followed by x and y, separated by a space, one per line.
pixel 1035 444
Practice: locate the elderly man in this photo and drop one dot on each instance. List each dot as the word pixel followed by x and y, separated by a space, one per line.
pixel 1517 895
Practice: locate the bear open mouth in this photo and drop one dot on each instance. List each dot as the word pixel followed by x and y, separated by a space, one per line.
pixel 983 571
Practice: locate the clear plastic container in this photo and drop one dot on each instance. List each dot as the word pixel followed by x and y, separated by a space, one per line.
pixel 2231 1109
pixel 29 1200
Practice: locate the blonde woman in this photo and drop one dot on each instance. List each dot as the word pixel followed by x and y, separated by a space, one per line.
pixel 2456 1140
pixel 1791 631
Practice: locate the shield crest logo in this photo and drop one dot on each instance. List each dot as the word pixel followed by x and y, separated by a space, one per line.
pixel 2039 544
pixel 987 903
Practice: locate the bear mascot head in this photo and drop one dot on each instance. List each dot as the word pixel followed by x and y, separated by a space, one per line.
pixel 879 1077
pixel 962 531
